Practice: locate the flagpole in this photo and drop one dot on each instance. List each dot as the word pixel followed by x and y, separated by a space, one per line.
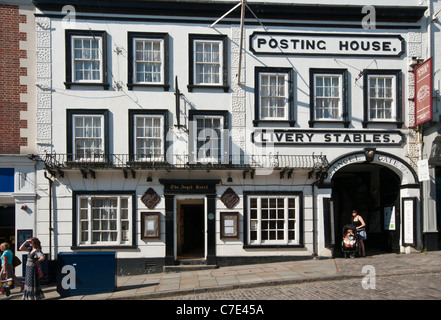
pixel 242 18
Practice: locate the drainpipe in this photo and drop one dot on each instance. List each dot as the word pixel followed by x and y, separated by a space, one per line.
pixel 50 214
pixel 314 221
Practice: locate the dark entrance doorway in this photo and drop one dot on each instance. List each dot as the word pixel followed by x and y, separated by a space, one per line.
pixel 7 225
pixel 191 235
pixel 374 191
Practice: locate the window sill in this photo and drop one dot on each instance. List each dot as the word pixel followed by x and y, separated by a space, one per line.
pixel 224 87
pixel 291 123
pixel 130 86
pixel 97 247
pixel 272 246
pixel 399 124
pixel 87 84
pixel 312 123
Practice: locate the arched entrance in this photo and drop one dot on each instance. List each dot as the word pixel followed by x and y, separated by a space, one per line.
pixel 374 191
pixel 376 186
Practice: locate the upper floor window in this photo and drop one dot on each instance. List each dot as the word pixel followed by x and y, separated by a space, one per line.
pixel 207 133
pixel 274 95
pixel 86 58
pixel 87 134
pixel 208 62
pixel 382 97
pixel 328 94
pixel 148 56
pixel 147 134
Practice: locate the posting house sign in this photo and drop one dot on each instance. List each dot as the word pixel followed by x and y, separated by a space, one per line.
pixel 276 43
pixel 335 137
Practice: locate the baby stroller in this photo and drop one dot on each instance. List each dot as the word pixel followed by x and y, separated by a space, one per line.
pixel 349 243
pixel 6 286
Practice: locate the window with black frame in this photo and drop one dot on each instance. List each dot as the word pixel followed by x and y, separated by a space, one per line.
pixel 382 97
pixel 86 58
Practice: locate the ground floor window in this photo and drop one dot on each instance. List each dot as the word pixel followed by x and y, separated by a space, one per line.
pixel 274 219
pixel 104 220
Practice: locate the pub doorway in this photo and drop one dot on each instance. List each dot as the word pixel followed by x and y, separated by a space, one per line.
pixel 374 191
pixel 190 229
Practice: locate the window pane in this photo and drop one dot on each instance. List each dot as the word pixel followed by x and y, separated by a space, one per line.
pixel 273 99
pixel 207 62
pixel 148 61
pixel 381 100
pixel 275 220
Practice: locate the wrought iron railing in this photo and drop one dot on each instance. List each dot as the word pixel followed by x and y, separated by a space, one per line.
pixel 57 161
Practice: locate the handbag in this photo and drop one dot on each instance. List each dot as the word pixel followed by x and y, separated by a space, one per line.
pixel 16 262
pixel 39 271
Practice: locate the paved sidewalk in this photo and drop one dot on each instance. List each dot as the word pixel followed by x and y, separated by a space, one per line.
pixel 159 285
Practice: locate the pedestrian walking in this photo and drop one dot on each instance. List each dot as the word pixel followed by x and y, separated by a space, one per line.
pixel 32 289
pixel 7 270
pixel 360 225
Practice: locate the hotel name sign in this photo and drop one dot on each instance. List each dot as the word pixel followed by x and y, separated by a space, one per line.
pixel 335 137
pixel 277 43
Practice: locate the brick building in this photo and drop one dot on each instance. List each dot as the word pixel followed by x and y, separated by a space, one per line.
pixel 17 117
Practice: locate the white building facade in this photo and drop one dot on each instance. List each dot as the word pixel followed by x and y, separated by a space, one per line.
pixel 166 134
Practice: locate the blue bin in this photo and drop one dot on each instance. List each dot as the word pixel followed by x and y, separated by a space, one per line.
pixel 83 273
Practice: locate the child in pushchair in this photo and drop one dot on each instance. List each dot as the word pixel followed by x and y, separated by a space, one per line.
pixel 6 286
pixel 349 243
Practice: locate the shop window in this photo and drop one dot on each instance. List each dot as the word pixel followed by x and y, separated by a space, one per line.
pixel 147 135
pixel 87 135
pixel 103 219
pixel 382 97
pixel 328 94
pixel 274 95
pixel 86 58
pixel 274 219
pixel 148 60
pixel 208 62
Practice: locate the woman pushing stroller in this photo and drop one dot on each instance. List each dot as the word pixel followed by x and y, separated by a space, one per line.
pixel 360 225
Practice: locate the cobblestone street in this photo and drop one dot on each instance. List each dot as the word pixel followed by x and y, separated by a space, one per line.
pixel 398 287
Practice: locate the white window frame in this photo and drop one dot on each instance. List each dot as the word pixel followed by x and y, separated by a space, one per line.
pixel 100 60
pixel 121 239
pixel 256 224
pixel 199 137
pixel 393 98
pixel 136 62
pixel 96 157
pixel 139 157
pixel 219 63
pixel 272 96
pixel 339 116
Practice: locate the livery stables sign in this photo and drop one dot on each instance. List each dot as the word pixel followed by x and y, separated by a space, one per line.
pixel 336 137
pixel 274 43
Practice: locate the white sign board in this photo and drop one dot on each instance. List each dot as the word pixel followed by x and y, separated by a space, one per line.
pixel 389 218
pixel 423 170
pixel 408 223
pixel 278 43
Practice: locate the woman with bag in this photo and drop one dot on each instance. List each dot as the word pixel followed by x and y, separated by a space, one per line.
pixel 7 271
pixel 359 224
pixel 32 289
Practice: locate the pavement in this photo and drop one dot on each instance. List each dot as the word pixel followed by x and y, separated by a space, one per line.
pixel 168 284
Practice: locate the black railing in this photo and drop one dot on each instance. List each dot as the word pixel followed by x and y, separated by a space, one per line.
pixel 185 161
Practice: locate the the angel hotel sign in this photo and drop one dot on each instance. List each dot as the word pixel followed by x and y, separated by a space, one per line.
pixel 277 43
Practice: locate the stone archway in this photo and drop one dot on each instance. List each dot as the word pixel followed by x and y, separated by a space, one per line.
pixel 374 186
